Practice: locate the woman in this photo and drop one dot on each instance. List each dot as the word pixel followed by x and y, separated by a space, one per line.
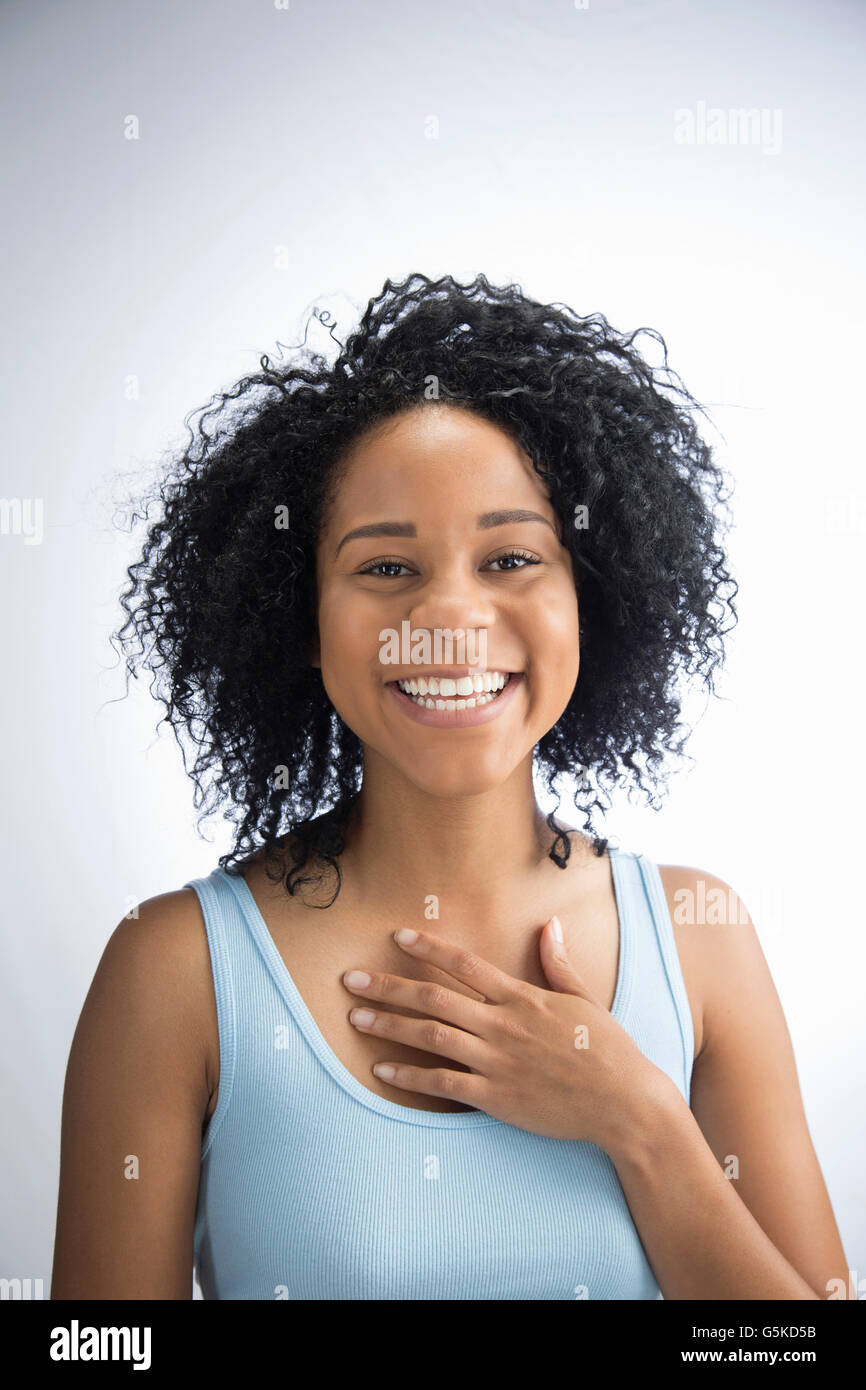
pixel 550 1090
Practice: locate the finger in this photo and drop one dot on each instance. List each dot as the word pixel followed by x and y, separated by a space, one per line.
pixel 424 996
pixel 434 1081
pixel 560 969
pixel 495 985
pixel 427 1034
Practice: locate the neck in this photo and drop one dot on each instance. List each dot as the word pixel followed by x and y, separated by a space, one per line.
pixel 479 854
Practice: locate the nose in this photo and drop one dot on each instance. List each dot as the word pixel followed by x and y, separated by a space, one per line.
pixel 451 599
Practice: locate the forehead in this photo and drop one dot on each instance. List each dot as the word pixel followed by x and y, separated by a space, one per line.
pixel 436 458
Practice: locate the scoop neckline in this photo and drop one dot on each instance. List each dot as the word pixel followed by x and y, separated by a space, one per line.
pixel 435 1119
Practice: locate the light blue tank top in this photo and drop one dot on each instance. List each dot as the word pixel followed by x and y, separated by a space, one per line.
pixel 314 1187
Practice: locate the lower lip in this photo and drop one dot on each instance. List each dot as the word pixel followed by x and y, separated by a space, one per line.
pixel 457 718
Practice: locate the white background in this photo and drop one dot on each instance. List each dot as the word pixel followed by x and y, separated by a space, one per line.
pixel 284 160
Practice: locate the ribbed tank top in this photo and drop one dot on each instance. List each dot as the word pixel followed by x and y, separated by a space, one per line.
pixel 314 1187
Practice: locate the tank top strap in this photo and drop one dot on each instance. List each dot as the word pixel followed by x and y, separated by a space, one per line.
pixel 652 993
pixel 223 928
pixel 661 917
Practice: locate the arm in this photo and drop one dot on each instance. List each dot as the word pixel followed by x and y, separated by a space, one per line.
pixel 770 1232
pixel 137 1089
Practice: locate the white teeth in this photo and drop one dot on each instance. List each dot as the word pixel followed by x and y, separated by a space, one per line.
pixel 481 689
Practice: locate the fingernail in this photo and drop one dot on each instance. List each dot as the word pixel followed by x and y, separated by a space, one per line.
pixel 405 936
pixel 556 928
pixel 385 1070
pixel 356 979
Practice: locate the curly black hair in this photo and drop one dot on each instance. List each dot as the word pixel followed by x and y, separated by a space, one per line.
pixel 222 606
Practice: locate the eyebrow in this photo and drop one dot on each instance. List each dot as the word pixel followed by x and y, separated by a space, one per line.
pixel 407 528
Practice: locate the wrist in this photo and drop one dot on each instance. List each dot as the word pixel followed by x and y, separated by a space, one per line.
pixel 654 1106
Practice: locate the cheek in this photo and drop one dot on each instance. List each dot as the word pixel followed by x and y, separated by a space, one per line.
pixel 348 648
pixel 337 641
pixel 553 635
pixel 334 622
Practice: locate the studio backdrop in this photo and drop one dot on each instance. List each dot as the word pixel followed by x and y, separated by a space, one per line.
pixel 187 183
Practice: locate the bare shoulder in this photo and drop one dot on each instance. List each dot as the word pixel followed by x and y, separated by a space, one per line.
pixel 715 937
pixel 745 1092
pixel 158 957
pixel 169 922
pixel 166 933
pixel 134 1105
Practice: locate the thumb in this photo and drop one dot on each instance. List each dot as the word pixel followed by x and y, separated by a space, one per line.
pixel 555 960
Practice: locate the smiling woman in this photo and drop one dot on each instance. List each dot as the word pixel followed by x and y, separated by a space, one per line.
pixel 434 470
pixel 592 1066
pixel 442 393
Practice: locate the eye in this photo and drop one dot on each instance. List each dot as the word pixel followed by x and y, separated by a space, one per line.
pixel 515 555
pixel 377 566
pixel 384 564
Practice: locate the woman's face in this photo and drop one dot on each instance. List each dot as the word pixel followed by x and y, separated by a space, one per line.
pixel 427 486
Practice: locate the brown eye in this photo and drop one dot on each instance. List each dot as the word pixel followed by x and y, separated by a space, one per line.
pixel 515 555
pixel 384 564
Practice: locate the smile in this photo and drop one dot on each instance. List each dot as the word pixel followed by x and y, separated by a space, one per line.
pixel 464 693
pixel 456 702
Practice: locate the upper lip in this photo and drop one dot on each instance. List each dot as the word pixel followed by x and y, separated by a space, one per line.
pixel 452 673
